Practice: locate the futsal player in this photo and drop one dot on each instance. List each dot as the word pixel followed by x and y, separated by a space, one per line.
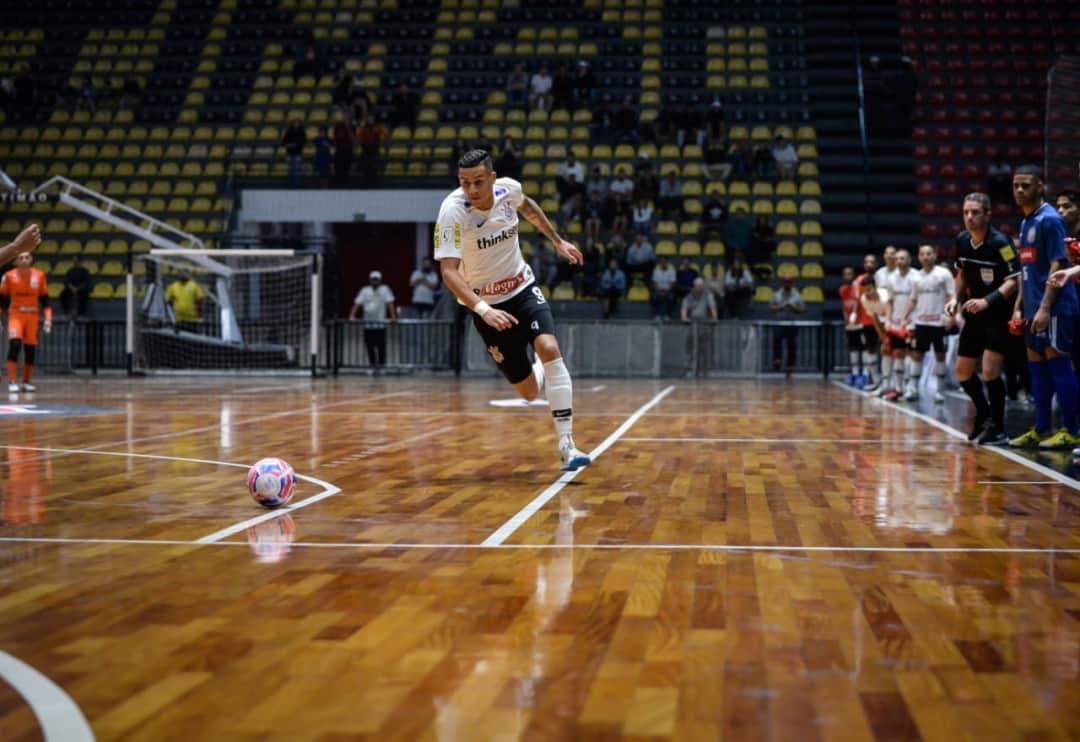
pixel 1050 312
pixel 897 327
pixel 476 244
pixel 881 280
pixel 933 287
pixel 986 285
pixel 24 296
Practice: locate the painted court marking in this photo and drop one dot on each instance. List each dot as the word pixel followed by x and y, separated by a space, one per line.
pixel 999 450
pixel 507 529
pixel 553 547
pixel 866 441
pixel 59 716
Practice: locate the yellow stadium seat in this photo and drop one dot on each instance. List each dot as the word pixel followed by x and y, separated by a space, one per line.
pixel 786 228
pixel 808 170
pixel 666 248
pixel 809 188
pixel 763 295
pixel 807 152
pixel 102 291
pixel 786 188
pixel 812 249
pixel 813 295
pixel 787 249
pixel 810 229
pixel 714 249
pixel 563 292
pixel 810 206
pixel 786 207
pixel 637 292
pixel 690 248
pixel 762 207
pixel 812 270
pixel 787 270
pixel 112 268
pixel 738 188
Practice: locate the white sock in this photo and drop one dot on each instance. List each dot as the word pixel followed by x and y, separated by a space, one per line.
pixel 886 369
pixel 853 359
pixel 538 372
pixel 560 396
pixel 939 376
pixel 868 363
pixel 898 375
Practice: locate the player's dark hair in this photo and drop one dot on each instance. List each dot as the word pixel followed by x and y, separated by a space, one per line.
pixel 475 158
pixel 1070 193
pixel 1029 169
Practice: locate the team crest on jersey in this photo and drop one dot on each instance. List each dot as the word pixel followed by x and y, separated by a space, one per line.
pixel 987 275
pixel 507 209
pixel 1031 233
pixel 496 354
pixel 33 282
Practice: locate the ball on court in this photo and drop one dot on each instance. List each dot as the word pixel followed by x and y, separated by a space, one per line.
pixel 271 482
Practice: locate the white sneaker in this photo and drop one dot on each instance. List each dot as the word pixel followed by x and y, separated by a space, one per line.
pixel 572 458
pixel 26 387
pixel 13 388
pixel 939 398
pixel 911 396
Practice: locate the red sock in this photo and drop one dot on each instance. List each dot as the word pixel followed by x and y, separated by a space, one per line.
pixel 27 372
pixel 12 369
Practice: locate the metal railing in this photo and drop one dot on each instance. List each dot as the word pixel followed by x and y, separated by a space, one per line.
pixel 611 348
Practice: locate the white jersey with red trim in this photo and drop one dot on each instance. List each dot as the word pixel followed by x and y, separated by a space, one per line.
pixel 486 242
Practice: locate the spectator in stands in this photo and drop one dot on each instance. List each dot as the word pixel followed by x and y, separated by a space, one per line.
pixel 616 247
pixel 738 287
pixel 540 85
pixel 508 164
pixel 587 280
pixel 371 137
pixel 714 282
pixel 517 87
pixel 641 258
pixel 324 156
pixel 715 123
pixel 562 89
pixel 714 218
pixel 404 107
pixel 374 304
pixel 75 296
pixel 88 95
pixel 999 182
pixel 601 128
pixel 293 140
pixel 570 184
pixel 308 62
pixel 670 201
pixel 597 183
pixel 1068 206
pixel 762 161
pixel 612 287
pixel 717 161
pixel 343 150
pixel 666 123
pixel 626 123
pixel 663 289
pixel 642 216
pixel 698 303
pixel 593 216
pixel 738 231
pixel 787 160
pixel 684 278
pixel 787 304
pixel 424 282
pixel 740 156
pixel 762 241
pixel 584 84
pixel 343 89
pixel 622 187
pixel 362 101
pixel 690 124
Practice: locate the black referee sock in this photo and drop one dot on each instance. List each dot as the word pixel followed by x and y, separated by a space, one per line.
pixel 974 389
pixel 996 389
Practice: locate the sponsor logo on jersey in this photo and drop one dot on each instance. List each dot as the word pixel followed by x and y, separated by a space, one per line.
pixel 1027 254
pixel 482 243
pixel 506 285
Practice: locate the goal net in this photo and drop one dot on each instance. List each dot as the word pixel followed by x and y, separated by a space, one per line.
pixel 234 310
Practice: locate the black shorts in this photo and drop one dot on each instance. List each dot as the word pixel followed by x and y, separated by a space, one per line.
pixel 864 338
pixel 927 336
pixel 981 333
pixel 509 348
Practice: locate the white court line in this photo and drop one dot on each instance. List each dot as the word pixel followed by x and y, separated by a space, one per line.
pixel 552 547
pixel 999 450
pixel 329 491
pixel 504 531
pixel 868 441
pixel 1012 481
pixel 59 716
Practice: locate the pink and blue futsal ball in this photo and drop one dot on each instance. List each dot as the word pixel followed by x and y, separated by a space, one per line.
pixel 271 482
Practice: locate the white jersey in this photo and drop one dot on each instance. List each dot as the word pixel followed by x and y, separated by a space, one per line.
pixel 486 242
pixel 881 281
pixel 935 290
pixel 900 288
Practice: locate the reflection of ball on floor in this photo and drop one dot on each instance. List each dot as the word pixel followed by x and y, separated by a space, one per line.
pixel 271 482
pixel 270 541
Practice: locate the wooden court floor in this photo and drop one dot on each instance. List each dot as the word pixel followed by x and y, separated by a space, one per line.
pixel 744 560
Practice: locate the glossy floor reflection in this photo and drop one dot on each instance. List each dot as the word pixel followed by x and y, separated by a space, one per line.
pixel 749 560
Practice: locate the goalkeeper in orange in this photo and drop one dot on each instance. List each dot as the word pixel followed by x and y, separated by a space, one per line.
pixel 24 296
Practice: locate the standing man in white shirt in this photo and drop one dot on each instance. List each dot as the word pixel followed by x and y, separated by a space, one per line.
pixel 930 293
pixel 424 282
pixel 881 281
pixel 476 244
pixel 897 328
pixel 374 302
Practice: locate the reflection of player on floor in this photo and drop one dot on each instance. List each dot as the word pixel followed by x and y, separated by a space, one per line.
pixel 1050 311
pixel 24 295
pixel 476 242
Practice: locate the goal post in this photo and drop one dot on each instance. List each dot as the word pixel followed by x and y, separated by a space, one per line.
pixel 240 310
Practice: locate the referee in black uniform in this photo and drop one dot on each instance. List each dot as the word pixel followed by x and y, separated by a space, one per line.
pixel 985 287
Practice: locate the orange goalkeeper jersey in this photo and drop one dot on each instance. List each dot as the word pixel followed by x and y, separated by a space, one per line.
pixel 25 289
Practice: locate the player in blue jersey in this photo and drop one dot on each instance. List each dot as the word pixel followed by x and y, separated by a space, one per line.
pixel 1050 312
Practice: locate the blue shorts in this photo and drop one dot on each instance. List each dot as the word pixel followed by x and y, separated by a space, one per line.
pixel 1059 336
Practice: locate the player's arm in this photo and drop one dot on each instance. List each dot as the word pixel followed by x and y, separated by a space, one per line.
pixel 43 302
pixel 453 280
pixel 1059 278
pixel 536 216
pixel 959 289
pixel 912 302
pixel 27 240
